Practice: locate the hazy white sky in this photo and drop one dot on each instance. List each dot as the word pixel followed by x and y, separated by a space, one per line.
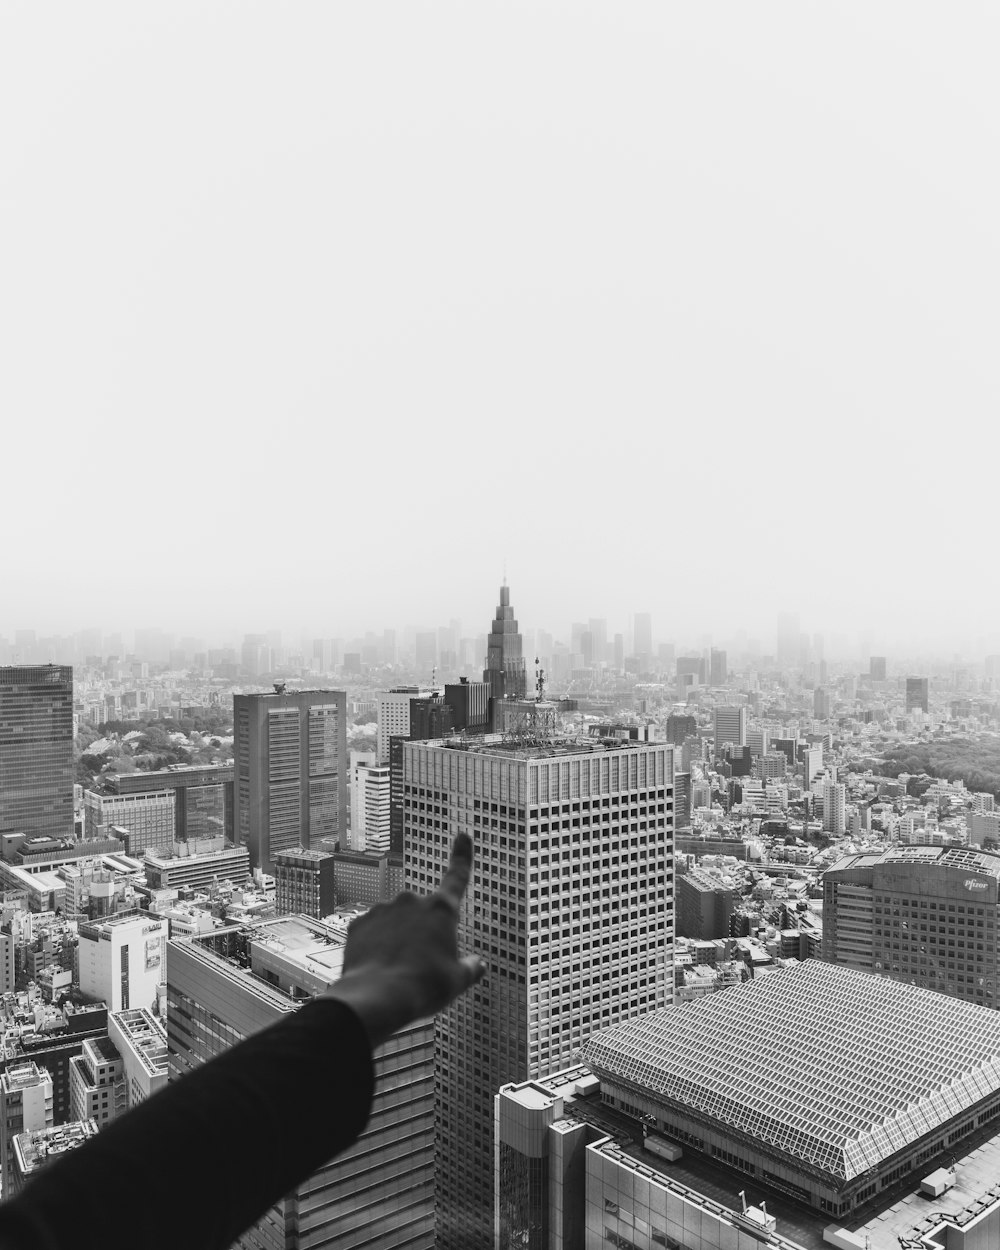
pixel 316 314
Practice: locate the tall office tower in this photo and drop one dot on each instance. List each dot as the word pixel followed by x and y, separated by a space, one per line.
pixel 730 726
pixel 377 1195
pixel 719 671
pixel 36 750
pixel 876 667
pixel 692 665
pixel 921 914
pixel 598 628
pixel 25 1107
pixel 570 907
pixel 834 807
pixel 587 648
pixel 642 634
pixel 788 640
pixel 679 727
pixel 394 714
pixel 304 883
pixel 389 647
pixel 812 765
pixel 255 655
pixel 371 797
pixel 505 673
pixel 291 770
pixel 821 704
pixel 916 694
pixel 425 651
pixel 619 653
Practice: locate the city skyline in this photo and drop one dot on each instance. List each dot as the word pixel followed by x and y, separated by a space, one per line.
pixel 24 644
pixel 718 300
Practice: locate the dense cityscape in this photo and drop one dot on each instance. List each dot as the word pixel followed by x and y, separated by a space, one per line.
pixel 738 909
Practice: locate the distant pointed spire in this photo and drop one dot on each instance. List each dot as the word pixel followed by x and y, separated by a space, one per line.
pixel 505 672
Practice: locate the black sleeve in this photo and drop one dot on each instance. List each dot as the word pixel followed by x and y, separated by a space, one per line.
pixel 225 1143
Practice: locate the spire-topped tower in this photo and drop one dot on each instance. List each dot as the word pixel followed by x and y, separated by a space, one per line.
pixel 504 673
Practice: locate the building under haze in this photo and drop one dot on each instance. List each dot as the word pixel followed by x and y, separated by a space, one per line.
pixel 642 635
pixel 570 906
pixel 505 674
pixel 916 694
pixel 36 750
pixel 730 725
pixel 290 750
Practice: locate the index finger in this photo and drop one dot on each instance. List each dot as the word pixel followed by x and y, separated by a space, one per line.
pixel 456 879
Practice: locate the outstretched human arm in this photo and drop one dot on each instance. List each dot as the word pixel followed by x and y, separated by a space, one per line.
pixel 226 1142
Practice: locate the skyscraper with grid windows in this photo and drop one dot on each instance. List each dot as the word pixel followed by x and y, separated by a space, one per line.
pixel 36 749
pixel 291 770
pixel 570 907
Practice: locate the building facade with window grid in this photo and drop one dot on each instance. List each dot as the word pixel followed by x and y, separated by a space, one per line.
pixel 926 915
pixel 290 748
pixel 304 883
pixel 147 817
pixel 36 749
pixel 570 907
pixel 376 1194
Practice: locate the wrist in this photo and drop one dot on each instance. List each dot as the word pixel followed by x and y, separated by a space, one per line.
pixel 380 1002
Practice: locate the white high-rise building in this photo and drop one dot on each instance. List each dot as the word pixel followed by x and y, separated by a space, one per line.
pixel 570 906
pixel 394 715
pixel 370 807
pixel 730 726
pixel 123 960
pixel 834 807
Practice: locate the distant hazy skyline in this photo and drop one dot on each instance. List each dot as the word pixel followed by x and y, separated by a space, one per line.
pixel 313 317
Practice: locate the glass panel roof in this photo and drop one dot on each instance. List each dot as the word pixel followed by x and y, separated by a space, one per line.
pixel 836 1068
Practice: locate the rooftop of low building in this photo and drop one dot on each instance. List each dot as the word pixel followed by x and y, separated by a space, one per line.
pixel 868 1066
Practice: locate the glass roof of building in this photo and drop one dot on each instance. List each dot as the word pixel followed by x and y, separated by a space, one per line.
pixel 835 1068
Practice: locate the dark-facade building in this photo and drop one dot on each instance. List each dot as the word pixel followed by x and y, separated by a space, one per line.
pixel 917 694
pixel 470 705
pixel 679 727
pixel 925 915
pixel 36 750
pixel 291 770
pixel 704 905
pixel 304 883
pixel 571 908
pixel 203 805
pixel 505 674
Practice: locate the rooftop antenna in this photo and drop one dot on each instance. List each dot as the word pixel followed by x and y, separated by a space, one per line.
pixel 434 676
pixel 539 682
